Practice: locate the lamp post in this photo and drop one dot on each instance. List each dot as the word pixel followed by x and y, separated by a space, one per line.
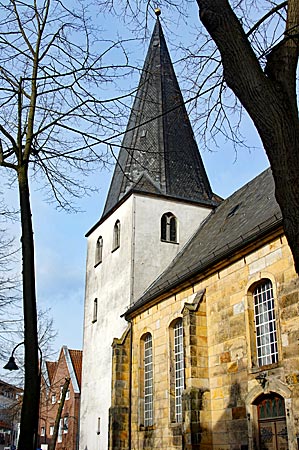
pixel 11 365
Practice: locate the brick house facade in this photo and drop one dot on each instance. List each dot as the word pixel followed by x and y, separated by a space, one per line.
pixel 68 366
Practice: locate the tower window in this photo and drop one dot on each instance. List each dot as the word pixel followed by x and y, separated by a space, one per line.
pixel 168 227
pixel 95 310
pixel 99 251
pixel 265 324
pixel 116 235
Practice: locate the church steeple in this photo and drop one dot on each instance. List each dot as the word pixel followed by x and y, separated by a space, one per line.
pixel 159 153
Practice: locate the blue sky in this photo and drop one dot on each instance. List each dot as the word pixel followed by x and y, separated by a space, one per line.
pixel 59 237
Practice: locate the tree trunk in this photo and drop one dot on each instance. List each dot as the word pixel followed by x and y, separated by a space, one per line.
pixel 59 412
pixel 30 406
pixel 269 98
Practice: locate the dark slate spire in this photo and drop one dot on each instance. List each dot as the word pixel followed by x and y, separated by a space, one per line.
pixel 159 153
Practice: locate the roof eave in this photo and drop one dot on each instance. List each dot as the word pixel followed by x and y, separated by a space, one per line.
pixel 214 263
pixel 210 204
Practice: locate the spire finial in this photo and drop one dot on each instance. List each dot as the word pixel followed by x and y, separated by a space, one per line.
pixel 157 12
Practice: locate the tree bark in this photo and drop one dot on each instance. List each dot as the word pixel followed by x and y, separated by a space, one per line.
pixel 268 96
pixel 30 406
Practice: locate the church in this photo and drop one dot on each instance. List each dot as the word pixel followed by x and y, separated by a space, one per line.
pixel 191 330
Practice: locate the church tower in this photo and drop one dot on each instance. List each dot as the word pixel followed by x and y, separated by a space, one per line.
pixel 158 196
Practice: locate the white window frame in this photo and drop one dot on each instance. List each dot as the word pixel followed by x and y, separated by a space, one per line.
pixel 59 437
pixel 53 399
pixel 148 381
pixel 65 424
pixel 179 369
pixel 51 431
pixel 265 324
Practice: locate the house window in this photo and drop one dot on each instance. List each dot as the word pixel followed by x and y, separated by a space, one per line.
pixel 51 430
pixel 65 426
pixel 168 227
pixel 99 251
pixel 265 324
pixel 177 370
pixel 67 394
pixel 42 431
pixel 59 437
pixel 53 399
pixel 116 235
pixel 95 310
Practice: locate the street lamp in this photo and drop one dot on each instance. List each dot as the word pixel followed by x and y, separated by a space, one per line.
pixel 11 365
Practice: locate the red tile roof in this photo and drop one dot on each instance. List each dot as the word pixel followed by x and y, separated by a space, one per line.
pixel 51 368
pixel 76 357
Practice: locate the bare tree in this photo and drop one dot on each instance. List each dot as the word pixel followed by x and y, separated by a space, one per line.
pixel 248 48
pixel 267 92
pixel 53 118
pixel 9 293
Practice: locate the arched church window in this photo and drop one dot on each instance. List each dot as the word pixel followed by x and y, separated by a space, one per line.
pixel 177 370
pixel 99 251
pixel 116 235
pixel 146 381
pixel 168 227
pixel 265 324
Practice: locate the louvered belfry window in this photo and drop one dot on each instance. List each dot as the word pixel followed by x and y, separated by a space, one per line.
pixel 116 235
pixel 168 227
pixel 99 251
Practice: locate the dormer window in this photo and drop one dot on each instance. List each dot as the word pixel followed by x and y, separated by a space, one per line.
pixel 99 251
pixel 116 235
pixel 168 228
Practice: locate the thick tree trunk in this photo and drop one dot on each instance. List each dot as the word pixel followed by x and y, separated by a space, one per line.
pixel 30 406
pixel 269 98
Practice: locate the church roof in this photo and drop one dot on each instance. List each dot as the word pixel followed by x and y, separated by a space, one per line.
pixel 246 216
pixel 159 154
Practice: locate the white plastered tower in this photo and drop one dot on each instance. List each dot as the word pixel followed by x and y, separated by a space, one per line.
pixel 159 174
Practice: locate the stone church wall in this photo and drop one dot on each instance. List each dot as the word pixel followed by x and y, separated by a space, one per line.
pixel 222 383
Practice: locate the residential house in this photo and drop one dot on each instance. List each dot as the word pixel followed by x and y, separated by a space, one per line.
pixel 67 367
pixel 10 409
